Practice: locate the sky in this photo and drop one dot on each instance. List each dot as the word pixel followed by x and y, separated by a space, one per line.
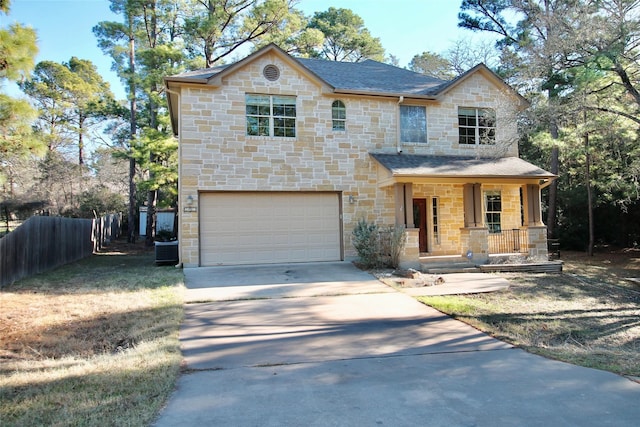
pixel 405 27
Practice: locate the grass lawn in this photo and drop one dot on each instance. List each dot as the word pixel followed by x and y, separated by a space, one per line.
pixel 589 315
pixel 93 343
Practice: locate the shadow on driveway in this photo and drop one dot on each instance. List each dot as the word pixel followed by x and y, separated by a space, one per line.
pixel 332 346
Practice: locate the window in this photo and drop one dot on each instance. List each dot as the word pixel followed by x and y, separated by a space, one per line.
pixel 476 126
pixel 493 210
pixel 413 123
pixel 339 115
pixel 271 115
pixel 434 221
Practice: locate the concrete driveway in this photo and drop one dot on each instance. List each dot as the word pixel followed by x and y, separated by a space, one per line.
pixel 328 345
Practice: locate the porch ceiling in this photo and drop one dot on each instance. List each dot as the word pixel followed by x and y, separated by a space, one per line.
pixel 404 168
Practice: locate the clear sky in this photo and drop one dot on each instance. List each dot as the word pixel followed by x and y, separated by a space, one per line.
pixel 405 27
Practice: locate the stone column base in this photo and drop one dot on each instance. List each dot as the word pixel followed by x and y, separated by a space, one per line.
pixel 474 242
pixel 410 257
pixel 538 248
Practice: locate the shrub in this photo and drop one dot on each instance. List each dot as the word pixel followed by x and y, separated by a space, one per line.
pixel 398 238
pixel 366 242
pixel 378 247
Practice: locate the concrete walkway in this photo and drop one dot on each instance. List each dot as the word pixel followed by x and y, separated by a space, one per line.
pixel 328 345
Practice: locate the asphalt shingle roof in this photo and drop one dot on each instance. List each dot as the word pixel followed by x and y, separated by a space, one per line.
pixel 372 76
pixel 205 73
pixel 363 77
pixel 450 166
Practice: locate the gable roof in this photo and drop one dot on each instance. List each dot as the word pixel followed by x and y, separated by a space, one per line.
pixel 367 77
pixel 358 78
pixel 491 76
pixel 425 166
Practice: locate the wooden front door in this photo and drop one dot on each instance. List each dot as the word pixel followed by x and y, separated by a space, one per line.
pixel 420 221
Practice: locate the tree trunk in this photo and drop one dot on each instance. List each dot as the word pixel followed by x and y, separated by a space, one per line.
pixel 151 217
pixel 553 188
pixel 80 142
pixel 131 231
pixel 151 194
pixel 589 195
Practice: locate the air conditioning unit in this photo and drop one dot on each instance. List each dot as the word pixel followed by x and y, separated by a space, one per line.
pixel 166 252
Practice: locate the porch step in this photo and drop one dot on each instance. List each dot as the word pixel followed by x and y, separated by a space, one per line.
pixel 542 267
pixel 462 267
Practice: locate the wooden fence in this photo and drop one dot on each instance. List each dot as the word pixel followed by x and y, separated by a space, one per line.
pixel 42 243
pixel 106 229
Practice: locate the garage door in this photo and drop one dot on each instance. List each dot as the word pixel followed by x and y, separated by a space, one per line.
pixel 262 228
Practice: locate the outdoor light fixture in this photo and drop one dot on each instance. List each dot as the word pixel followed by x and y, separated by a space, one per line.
pixel 189 200
pixel 352 199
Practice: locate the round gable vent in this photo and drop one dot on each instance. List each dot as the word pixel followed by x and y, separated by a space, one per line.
pixel 271 73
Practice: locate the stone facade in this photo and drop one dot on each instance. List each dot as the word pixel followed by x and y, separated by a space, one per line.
pixel 217 155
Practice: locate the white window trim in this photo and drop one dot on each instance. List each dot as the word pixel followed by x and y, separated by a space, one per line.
pixel 487 211
pixel 436 225
pixel 272 116
pixel 334 120
pixel 477 127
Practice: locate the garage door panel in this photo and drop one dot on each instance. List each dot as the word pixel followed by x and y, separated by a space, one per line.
pixel 248 228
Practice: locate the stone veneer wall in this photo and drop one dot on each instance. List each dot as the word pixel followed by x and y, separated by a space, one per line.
pixel 538 248
pixel 442 121
pixel 451 213
pixel 217 155
pixel 511 214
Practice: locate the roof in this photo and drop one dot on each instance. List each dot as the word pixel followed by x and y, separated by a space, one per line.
pixel 372 77
pixel 366 77
pixel 203 74
pixel 411 165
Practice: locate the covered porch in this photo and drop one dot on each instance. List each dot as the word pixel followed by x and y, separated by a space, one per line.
pixel 466 210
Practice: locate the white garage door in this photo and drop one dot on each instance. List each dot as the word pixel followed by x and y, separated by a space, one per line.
pixel 263 228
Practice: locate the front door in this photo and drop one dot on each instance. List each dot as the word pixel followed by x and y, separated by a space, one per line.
pixel 420 221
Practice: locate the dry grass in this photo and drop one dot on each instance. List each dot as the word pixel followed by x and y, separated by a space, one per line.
pixel 589 315
pixel 91 343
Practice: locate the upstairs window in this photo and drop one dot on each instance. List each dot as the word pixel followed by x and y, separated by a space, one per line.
pixel 413 123
pixel 338 116
pixel 476 126
pixel 271 115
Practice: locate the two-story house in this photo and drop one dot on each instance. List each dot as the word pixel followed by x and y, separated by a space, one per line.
pixel 279 157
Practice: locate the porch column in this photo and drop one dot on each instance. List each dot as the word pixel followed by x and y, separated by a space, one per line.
pixel 408 203
pixel 410 257
pixel 533 210
pixel 473 205
pixel 474 243
pixel 536 230
pixel 538 242
pixel 474 237
pixel 403 195
pixel 398 199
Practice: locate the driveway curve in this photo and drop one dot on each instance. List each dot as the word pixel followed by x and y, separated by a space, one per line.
pixel 326 344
